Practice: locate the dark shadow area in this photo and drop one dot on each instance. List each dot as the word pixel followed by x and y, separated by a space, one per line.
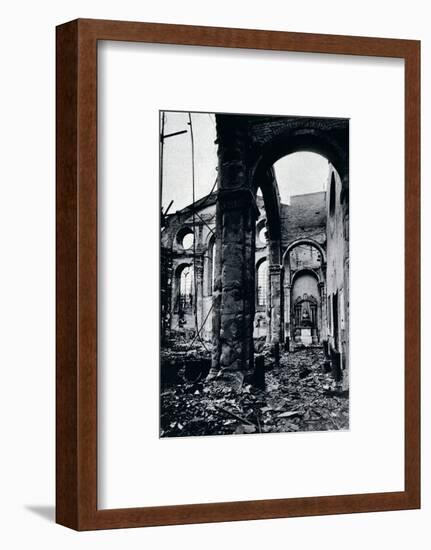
pixel 45 512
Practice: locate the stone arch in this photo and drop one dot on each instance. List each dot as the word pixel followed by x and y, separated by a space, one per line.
pixel 248 147
pixel 260 226
pixel 305 313
pixel 306 241
pixel 289 281
pixel 260 261
pixel 271 199
pixel 326 137
pixel 306 271
pixel 272 138
pixel 209 237
pixel 181 266
pixel 176 287
pixel 259 264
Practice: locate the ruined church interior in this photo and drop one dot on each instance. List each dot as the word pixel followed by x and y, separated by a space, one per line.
pixel 254 284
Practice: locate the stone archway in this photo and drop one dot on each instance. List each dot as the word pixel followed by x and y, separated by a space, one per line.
pixel 306 241
pixel 289 279
pixel 271 198
pixel 306 300
pixel 248 146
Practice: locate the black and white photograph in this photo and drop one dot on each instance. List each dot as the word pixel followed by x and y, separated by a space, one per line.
pixel 191 357
pixel 254 274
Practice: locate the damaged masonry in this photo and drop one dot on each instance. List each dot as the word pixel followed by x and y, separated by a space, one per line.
pixel 254 274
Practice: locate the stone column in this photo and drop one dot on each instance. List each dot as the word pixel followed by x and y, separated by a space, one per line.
pixel 287 313
pixel 166 293
pixel 323 312
pixel 199 295
pixel 216 300
pixel 274 294
pixel 315 313
pixel 268 307
pixel 319 325
pixel 234 296
pixel 174 296
pixel 275 306
pixel 237 305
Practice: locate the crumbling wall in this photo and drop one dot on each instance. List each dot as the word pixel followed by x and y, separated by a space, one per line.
pixel 337 275
pixel 305 217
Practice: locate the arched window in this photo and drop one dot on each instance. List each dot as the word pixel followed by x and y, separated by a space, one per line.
pixel 262 233
pixel 185 237
pixel 305 299
pixel 188 241
pixel 306 312
pixel 186 288
pixel 262 283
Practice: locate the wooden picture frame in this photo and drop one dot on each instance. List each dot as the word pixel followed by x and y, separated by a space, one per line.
pixel 76 375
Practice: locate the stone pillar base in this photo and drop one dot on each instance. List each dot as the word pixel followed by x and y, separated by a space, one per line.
pixel 231 379
pixel 275 352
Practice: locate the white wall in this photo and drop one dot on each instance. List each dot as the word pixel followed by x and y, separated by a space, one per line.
pixel 27 274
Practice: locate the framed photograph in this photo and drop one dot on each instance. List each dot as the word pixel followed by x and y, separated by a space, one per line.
pixel 238 274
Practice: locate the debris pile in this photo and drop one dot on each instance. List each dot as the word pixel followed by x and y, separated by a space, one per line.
pixel 299 396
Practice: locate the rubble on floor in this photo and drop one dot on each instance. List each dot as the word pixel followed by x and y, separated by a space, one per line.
pixel 300 395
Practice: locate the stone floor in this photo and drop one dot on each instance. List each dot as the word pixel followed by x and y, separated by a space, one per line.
pixel 299 396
